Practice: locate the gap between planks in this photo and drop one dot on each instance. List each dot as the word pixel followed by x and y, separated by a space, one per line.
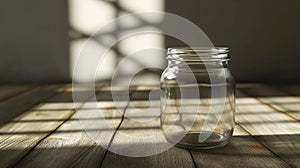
pixel 64 149
pixel 15 146
pixel 172 154
pixel 18 104
pixel 276 130
pixel 174 157
pixel 280 99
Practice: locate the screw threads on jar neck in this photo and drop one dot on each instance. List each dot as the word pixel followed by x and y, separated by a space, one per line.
pixel 198 58
pixel 198 54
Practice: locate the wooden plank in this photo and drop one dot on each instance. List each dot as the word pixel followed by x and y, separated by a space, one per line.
pixel 19 136
pixel 276 130
pixel 292 89
pixel 136 124
pixel 70 145
pixel 239 131
pixel 242 151
pixel 174 157
pixel 261 119
pixel 293 105
pixel 287 147
pixel 279 100
pixel 10 91
pixel 20 103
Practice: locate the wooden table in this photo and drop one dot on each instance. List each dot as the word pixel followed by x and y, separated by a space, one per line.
pixel 39 128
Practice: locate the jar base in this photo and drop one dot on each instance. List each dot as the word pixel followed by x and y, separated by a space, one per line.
pixel 214 140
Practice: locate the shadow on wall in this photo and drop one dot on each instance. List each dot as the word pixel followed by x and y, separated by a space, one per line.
pixel 126 57
pixel 263 36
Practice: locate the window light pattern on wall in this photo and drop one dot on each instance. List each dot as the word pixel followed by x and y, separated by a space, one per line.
pixel 87 16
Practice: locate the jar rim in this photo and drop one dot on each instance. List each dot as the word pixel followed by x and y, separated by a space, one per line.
pixel 215 50
pixel 194 53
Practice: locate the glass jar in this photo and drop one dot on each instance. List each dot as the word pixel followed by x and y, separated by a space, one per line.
pixel 198 99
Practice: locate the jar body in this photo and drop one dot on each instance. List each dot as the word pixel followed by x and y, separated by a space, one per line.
pixel 198 102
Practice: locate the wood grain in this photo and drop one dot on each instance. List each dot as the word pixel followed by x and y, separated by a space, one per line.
pixel 279 100
pixel 242 151
pixel 69 146
pixel 17 105
pixel 73 145
pixel 24 132
pixel 50 134
pixel 291 89
pixel 261 119
pixel 10 91
pixel 139 123
pixel 174 157
pixel 276 130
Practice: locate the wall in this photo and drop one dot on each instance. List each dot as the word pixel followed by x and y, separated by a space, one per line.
pixel 34 41
pixel 263 36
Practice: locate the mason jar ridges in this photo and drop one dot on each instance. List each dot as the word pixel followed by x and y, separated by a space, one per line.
pixel 198 97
